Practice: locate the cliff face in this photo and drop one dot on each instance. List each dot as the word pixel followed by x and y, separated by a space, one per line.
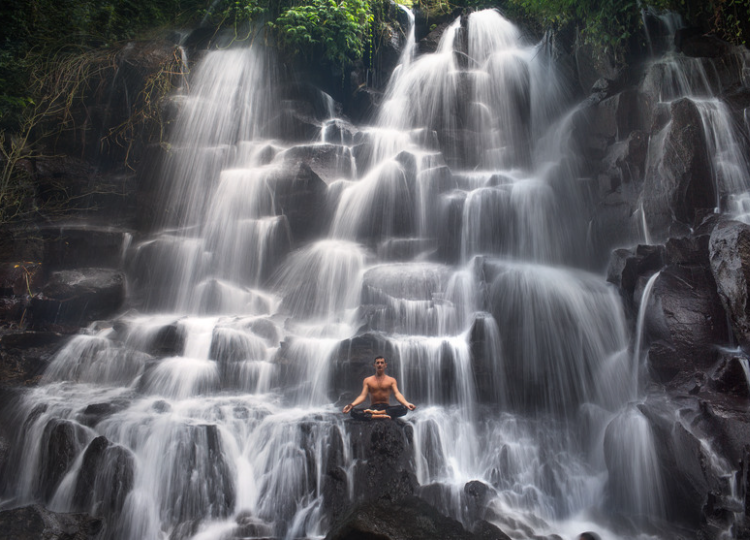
pixel 659 150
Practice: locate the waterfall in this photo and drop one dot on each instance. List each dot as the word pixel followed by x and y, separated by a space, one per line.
pixel 674 76
pixel 450 233
pixel 641 320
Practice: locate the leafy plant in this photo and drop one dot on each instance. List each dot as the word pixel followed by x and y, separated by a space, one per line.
pixel 606 24
pixel 338 29
pixel 236 14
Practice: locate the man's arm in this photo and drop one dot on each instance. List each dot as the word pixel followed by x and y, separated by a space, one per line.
pixel 400 398
pixel 359 399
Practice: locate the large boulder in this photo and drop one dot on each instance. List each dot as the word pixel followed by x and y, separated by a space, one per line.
pixel 384 467
pixel 408 519
pixel 300 194
pixel 730 265
pixel 106 478
pixel 681 460
pixel 383 472
pixel 63 441
pixel 684 323
pixel 614 119
pixel 678 185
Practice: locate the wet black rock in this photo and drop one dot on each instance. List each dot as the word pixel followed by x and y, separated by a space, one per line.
pixel 730 265
pixel 688 251
pixel 450 227
pixel 727 424
pixel 743 481
pixel 384 468
pixel 79 296
pixel 408 519
pixel 63 442
pixel 295 121
pixel 616 117
pixel 169 340
pixel 340 132
pixel 684 322
pixel 200 453
pixel 96 412
pixel 624 163
pixel 484 366
pixel 335 483
pixel 695 490
pixel 593 65
pixel 383 472
pixel 429 43
pixel 106 478
pixel 682 467
pixel 679 182
pixel 484 530
pixel 300 194
pixel 729 376
pixel 335 493
pixel 329 161
pixel 616 220
pixel 475 497
pixel 364 103
pixel 35 522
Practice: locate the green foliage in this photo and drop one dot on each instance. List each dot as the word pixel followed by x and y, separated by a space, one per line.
pixel 608 24
pixel 236 13
pixel 337 29
pixel 604 23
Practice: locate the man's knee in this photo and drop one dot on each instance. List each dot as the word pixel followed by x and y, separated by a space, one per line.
pixel 397 411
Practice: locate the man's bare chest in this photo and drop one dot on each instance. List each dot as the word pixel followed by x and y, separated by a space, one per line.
pixel 380 385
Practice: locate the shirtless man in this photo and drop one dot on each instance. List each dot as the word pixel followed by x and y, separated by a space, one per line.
pixel 379 387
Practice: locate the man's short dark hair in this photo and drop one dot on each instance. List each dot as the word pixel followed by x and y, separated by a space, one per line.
pixel 589 536
pixel 378 358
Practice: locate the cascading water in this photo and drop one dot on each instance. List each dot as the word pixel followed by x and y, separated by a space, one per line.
pixel 212 404
pixel 674 76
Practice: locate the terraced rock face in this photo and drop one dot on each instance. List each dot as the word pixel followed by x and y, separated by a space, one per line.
pixel 462 234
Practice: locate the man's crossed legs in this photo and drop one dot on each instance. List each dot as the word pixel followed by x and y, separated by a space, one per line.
pixel 388 411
